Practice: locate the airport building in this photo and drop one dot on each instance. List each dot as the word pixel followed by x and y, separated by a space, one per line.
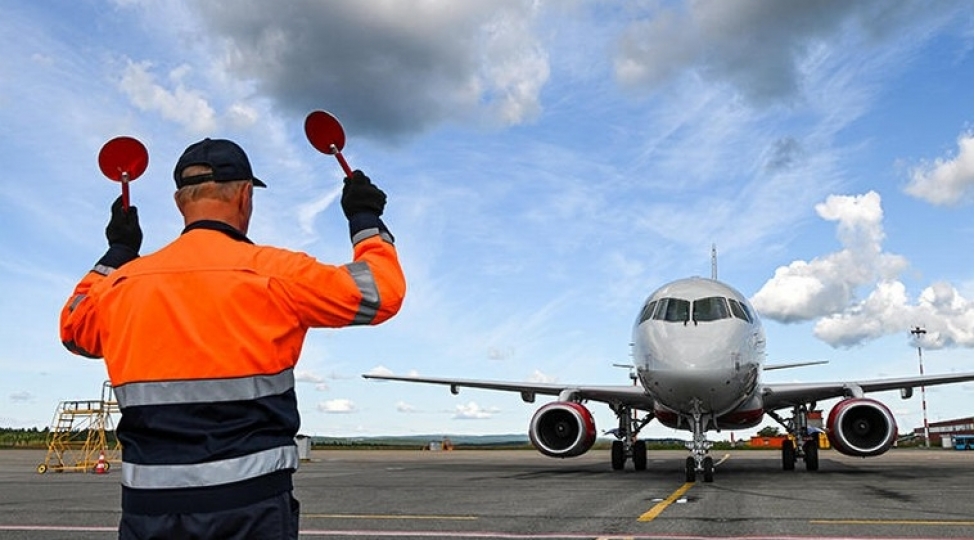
pixel 941 433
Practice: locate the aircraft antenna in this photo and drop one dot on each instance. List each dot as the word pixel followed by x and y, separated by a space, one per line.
pixel 714 262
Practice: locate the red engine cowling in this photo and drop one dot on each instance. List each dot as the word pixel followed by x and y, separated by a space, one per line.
pixel 562 429
pixel 861 427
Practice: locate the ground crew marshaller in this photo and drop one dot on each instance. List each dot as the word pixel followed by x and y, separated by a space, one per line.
pixel 201 339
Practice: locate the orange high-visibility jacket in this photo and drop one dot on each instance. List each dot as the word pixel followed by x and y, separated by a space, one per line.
pixel 200 340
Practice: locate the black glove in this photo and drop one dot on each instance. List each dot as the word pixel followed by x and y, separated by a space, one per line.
pixel 124 237
pixel 360 195
pixel 124 228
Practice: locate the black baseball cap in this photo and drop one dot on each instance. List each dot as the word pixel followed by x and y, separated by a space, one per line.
pixel 226 160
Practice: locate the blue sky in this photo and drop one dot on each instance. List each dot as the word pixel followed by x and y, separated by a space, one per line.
pixel 548 165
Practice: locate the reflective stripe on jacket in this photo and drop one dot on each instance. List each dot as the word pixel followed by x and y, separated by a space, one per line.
pixel 200 340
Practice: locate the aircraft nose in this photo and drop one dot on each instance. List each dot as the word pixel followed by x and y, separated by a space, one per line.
pixel 711 389
pixel 690 347
pixel 689 353
pixel 684 363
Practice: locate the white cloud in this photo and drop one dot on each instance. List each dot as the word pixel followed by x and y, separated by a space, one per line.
pixel 310 377
pixel 242 116
pixel 942 311
pixel 828 284
pixel 539 377
pixel 496 353
pixel 380 370
pixel 879 314
pixel 404 407
pixel 187 108
pixel 827 287
pixel 337 406
pixel 946 181
pixel 473 411
pixel 309 211
pixel 517 68
pixel 947 316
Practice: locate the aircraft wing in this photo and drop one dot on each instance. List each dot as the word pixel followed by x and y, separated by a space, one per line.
pixel 778 396
pixel 772 367
pixel 633 396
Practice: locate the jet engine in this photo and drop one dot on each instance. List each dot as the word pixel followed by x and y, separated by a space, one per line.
pixel 563 429
pixel 861 427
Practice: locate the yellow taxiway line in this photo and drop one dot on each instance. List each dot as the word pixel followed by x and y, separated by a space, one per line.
pixel 652 514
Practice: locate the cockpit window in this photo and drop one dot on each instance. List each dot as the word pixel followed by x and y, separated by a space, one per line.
pixel 711 309
pixel 739 310
pixel 748 312
pixel 672 310
pixel 647 311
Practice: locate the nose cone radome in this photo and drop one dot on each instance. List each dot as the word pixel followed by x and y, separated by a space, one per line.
pixel 686 367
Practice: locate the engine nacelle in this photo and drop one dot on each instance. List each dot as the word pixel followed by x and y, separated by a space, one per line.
pixel 861 427
pixel 563 429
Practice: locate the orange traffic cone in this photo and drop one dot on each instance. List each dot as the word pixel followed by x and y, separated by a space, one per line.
pixel 102 466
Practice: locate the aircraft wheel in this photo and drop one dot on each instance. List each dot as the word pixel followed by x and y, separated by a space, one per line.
pixel 640 455
pixel 618 456
pixel 788 456
pixel 42 468
pixel 690 470
pixel 812 456
pixel 708 465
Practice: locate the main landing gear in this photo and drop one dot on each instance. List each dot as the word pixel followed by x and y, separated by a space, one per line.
pixel 627 446
pixel 801 444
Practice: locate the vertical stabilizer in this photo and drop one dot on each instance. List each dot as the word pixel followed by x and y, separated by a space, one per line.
pixel 714 262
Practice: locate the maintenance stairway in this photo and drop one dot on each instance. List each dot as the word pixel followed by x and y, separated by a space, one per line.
pixel 78 439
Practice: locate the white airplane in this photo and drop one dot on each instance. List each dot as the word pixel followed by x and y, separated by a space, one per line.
pixel 698 354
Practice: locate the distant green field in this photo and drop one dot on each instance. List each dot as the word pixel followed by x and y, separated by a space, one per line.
pixel 461 442
pixel 38 438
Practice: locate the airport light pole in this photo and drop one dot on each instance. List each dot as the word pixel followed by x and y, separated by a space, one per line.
pixel 917 332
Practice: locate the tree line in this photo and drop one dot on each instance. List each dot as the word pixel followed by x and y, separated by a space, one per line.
pixel 23 437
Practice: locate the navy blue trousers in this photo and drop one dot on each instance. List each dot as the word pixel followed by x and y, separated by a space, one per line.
pixel 275 518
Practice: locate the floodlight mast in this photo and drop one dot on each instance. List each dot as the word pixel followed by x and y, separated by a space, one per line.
pixel 917 332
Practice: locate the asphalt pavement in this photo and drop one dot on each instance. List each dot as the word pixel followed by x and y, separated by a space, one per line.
pixel 520 494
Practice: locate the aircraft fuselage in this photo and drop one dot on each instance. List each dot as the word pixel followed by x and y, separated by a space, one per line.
pixel 698 348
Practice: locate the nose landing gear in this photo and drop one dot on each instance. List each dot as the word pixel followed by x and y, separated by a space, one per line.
pixel 700 460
